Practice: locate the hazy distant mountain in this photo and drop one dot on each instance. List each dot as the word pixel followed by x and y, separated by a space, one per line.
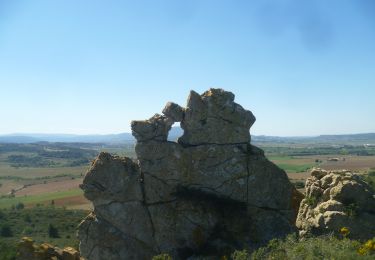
pixel 369 137
pixel 68 138
pixel 175 132
pixel 17 139
pixel 354 139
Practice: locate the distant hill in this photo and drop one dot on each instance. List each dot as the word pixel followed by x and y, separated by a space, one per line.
pixel 175 132
pixel 32 138
pixel 364 138
pixel 17 139
pixel 349 139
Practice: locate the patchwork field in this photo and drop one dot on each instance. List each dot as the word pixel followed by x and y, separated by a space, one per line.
pixel 66 198
pixel 56 182
pixel 354 163
pixel 298 167
pixel 52 186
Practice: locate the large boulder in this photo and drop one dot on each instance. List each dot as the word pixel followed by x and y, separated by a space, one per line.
pixel 206 195
pixel 336 200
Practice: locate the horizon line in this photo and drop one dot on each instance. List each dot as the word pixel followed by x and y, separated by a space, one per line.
pixel 106 134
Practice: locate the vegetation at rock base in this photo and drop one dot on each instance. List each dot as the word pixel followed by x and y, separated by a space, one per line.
pixel 162 257
pixel 53 225
pixel 8 250
pixel 323 247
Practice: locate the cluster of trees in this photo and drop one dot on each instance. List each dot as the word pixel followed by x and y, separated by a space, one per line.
pixel 29 161
pixel 48 154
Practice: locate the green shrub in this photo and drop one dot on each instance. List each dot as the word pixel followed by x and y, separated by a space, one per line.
pixel 240 255
pixel 370 178
pixel 311 200
pixel 7 250
pixel 27 218
pixel 6 231
pixel 322 247
pixel 162 257
pixel 20 206
pixel 367 248
pixel 27 231
pixel 53 231
pixel 299 184
pixel 351 210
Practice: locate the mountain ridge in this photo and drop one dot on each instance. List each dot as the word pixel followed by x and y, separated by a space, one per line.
pixel 175 132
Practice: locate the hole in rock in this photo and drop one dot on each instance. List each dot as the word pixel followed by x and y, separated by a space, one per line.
pixel 175 132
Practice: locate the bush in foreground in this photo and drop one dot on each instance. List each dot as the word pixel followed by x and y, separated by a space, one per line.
pixel 323 247
pixel 7 250
pixel 313 248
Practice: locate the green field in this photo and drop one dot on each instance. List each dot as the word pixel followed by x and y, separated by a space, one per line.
pixel 292 164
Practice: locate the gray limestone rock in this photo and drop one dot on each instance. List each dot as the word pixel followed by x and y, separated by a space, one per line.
pixel 174 111
pixel 208 194
pixel 214 118
pixel 155 128
pixel 111 178
pixel 334 200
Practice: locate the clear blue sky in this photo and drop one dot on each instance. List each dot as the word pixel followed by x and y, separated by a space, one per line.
pixel 85 66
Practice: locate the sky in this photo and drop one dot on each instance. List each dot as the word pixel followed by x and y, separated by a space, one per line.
pixel 90 67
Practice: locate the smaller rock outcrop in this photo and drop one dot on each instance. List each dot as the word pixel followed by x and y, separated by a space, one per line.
pixel 27 249
pixel 337 199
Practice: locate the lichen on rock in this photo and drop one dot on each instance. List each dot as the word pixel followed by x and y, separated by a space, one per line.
pixel 28 250
pixel 207 194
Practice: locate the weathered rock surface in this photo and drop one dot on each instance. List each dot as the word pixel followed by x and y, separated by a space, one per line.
pixel 334 200
pixel 207 194
pixel 27 249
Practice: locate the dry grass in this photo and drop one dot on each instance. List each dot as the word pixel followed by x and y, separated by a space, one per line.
pixel 51 186
pixel 30 173
pixel 353 163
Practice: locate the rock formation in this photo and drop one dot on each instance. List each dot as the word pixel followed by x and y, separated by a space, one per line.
pixel 27 249
pixel 205 195
pixel 335 200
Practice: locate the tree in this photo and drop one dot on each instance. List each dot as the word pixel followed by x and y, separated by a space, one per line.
pixel 20 205
pixel 5 231
pixel 53 231
pixel 27 218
